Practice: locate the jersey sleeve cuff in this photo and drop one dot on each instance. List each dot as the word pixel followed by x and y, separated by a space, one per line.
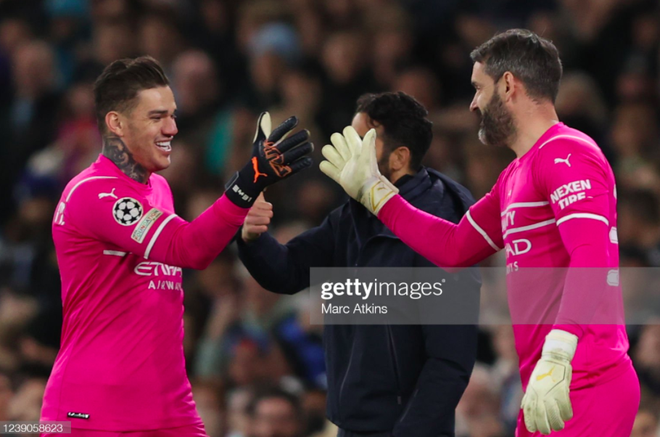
pixel 573 328
pixel 229 211
pixel 391 207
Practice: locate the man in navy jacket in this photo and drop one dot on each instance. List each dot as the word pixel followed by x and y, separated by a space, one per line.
pixel 383 380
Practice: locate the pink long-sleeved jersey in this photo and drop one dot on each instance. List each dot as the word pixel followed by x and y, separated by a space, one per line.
pixel 120 249
pixel 552 209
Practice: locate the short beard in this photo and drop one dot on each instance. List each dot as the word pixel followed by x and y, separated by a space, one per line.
pixel 384 164
pixel 497 126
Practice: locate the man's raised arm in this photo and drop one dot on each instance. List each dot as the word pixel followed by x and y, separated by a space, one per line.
pixel 351 162
pixel 131 224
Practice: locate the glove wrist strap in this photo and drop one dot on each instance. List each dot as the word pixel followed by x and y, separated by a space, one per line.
pixel 375 194
pixel 240 193
pixel 560 344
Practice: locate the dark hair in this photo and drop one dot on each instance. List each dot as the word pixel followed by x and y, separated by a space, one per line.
pixel 404 122
pixel 530 58
pixel 121 81
pixel 274 392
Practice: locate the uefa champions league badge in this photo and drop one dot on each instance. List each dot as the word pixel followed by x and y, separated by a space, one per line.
pixel 127 211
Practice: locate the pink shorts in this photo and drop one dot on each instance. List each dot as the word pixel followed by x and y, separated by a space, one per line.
pixel 605 410
pixel 182 431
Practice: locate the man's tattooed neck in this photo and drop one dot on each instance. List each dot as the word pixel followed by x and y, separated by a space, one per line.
pixel 116 151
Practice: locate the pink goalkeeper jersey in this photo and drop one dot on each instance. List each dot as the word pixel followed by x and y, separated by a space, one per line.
pixel 120 250
pixel 553 207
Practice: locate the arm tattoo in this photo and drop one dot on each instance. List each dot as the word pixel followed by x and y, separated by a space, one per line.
pixel 116 151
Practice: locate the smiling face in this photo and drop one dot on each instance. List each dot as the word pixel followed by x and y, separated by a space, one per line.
pixel 497 126
pixel 149 127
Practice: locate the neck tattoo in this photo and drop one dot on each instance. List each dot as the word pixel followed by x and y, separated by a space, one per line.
pixel 116 151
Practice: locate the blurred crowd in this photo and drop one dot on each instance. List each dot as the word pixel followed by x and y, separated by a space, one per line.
pixel 255 361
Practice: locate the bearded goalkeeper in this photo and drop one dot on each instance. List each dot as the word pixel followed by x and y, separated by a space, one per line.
pixel 553 207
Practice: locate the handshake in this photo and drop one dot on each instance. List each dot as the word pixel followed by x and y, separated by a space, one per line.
pixel 350 161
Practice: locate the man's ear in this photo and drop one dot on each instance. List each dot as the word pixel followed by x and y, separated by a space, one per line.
pixel 114 123
pixel 400 158
pixel 508 85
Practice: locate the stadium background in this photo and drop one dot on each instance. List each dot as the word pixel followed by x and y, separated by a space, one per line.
pixel 228 60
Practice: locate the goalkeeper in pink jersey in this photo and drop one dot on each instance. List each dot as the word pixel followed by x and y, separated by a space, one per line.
pixel 554 206
pixel 120 249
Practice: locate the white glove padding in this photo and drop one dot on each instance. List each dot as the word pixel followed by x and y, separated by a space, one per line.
pixel 352 163
pixel 546 404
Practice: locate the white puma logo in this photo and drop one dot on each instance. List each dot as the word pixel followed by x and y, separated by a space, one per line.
pixel 565 161
pixel 110 194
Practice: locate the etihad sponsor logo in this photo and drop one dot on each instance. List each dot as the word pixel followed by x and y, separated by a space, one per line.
pixel 165 285
pixel 570 193
pixel 507 220
pixel 153 268
pixel 145 224
pixel 518 247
